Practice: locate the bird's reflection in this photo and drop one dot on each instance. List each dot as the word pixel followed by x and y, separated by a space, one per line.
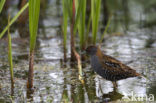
pixel 111 96
pixel 30 94
pixel 152 89
pixel 105 93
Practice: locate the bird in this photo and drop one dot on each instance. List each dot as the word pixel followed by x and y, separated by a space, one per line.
pixel 108 67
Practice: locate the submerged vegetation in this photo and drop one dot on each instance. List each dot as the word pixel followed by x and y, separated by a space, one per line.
pixel 68 27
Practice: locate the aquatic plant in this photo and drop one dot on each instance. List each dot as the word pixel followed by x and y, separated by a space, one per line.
pixel 69 14
pixel 72 35
pixel 77 18
pixel 106 29
pixel 64 28
pixel 95 12
pixel 80 21
pixel 14 19
pixel 34 9
pixel 10 57
pixel 2 2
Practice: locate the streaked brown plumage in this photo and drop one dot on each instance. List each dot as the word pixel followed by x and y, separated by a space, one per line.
pixel 109 67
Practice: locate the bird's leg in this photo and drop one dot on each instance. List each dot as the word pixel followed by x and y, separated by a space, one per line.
pixel 100 87
pixel 114 85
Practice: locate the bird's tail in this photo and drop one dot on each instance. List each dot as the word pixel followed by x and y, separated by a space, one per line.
pixel 142 76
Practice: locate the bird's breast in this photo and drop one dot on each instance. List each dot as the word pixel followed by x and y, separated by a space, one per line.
pixel 95 63
pixel 99 69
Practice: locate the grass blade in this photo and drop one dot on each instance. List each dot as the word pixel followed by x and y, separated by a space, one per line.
pixel 34 10
pixel 95 10
pixel 80 21
pixel 64 28
pixel 14 19
pixel 65 22
pixel 2 2
pixel 106 29
pixel 10 57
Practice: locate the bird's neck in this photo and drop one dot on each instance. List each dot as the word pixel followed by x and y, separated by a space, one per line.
pixel 99 54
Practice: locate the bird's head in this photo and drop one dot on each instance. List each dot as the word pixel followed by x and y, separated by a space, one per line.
pixel 91 50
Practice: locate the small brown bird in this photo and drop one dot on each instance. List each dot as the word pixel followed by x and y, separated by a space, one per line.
pixel 109 67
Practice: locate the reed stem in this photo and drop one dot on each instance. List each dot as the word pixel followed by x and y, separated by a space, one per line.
pixel 10 57
pixel 13 20
pixel 34 10
pixel 2 2
pixel 72 41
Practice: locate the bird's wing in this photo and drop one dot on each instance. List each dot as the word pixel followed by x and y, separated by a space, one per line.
pixel 115 65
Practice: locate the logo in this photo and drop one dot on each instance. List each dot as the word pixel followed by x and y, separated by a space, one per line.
pixel 139 97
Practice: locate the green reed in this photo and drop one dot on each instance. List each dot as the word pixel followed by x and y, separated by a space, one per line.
pixel 2 2
pixel 81 25
pixel 34 10
pixel 106 29
pixel 75 10
pixel 65 21
pixel 14 19
pixel 65 24
pixel 95 12
pixel 80 22
pixel 77 22
pixel 10 57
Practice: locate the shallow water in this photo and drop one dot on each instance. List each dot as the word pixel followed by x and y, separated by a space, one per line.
pixel 56 82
